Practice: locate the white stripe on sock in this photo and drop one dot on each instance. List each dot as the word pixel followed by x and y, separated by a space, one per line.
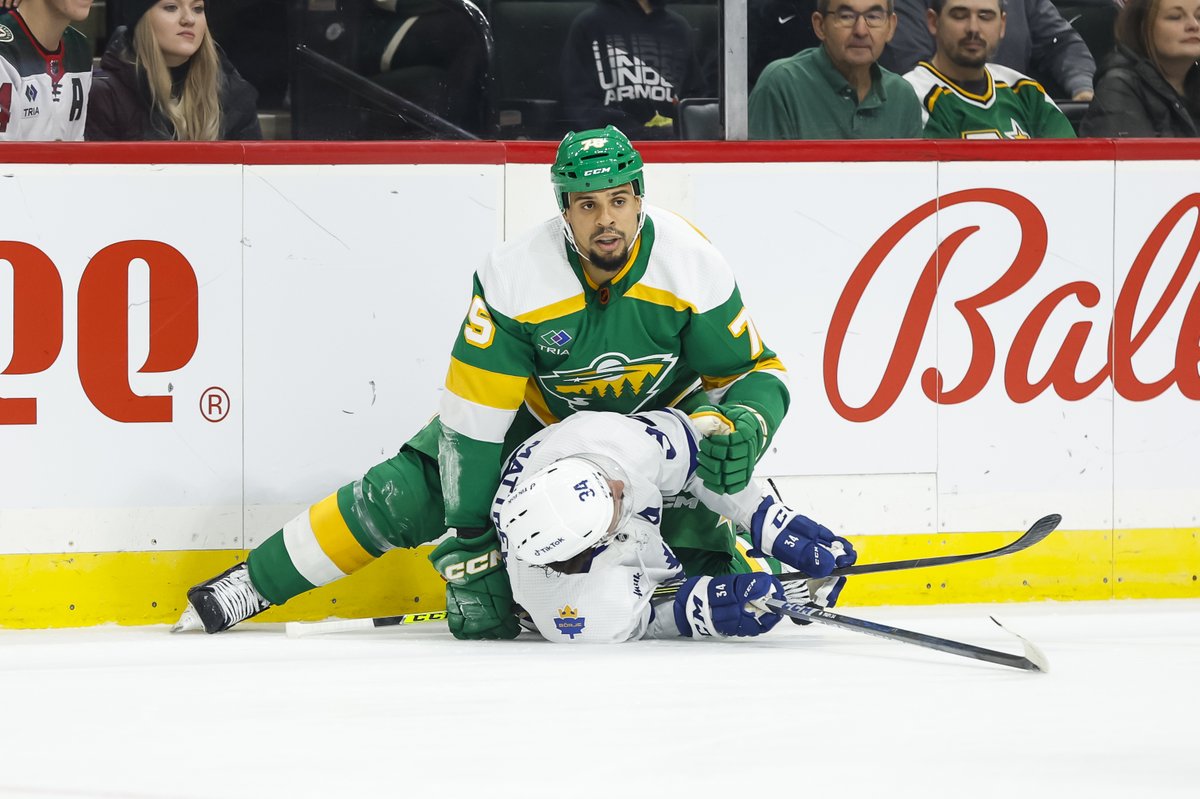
pixel 306 554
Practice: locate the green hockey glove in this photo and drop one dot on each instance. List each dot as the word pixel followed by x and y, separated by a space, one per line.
pixel 734 435
pixel 479 600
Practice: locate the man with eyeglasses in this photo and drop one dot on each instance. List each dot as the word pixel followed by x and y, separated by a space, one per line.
pixel 837 90
pixel 964 96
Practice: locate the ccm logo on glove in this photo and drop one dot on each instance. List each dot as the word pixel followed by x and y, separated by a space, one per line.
pixel 458 571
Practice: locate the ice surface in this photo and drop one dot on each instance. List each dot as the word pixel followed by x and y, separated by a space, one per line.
pixel 133 713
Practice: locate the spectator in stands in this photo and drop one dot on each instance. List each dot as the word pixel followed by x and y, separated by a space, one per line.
pixel 168 80
pixel 628 63
pixel 429 53
pixel 45 70
pixel 1150 85
pixel 837 90
pixel 777 29
pixel 1037 38
pixel 964 96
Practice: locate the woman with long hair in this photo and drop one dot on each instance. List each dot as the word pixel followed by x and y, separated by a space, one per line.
pixel 163 77
pixel 1150 85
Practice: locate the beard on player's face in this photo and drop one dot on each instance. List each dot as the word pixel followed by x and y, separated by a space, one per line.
pixel 611 261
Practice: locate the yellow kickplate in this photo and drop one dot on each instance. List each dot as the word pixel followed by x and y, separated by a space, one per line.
pixel 83 589
pixel 1069 564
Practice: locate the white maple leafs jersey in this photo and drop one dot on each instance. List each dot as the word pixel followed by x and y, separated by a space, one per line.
pixel 609 602
pixel 43 93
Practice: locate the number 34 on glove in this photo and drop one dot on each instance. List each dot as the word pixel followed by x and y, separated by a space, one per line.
pixel 793 538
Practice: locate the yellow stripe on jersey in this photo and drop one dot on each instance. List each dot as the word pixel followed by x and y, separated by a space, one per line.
pixel 335 538
pixel 492 389
pixel 1021 84
pixel 934 95
pixel 692 226
pixel 770 364
pixel 537 403
pixel 641 291
pixel 554 310
pixel 982 98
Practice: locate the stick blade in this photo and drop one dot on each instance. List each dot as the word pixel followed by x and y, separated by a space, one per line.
pixel 1033 655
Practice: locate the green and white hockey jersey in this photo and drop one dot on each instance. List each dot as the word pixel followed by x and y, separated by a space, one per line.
pixel 1013 106
pixel 670 329
pixel 43 94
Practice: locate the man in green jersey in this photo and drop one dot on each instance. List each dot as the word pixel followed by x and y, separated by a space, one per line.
pixel 964 96
pixel 611 306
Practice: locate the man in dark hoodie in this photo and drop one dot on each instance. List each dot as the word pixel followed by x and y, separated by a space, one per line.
pixel 628 63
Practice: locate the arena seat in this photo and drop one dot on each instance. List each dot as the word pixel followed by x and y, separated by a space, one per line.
pixel 700 118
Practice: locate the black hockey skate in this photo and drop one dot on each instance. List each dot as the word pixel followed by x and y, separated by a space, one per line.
pixel 220 603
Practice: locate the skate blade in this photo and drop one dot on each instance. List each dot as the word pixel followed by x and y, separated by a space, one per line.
pixel 187 622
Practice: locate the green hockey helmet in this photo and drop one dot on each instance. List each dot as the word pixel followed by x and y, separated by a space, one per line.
pixel 593 160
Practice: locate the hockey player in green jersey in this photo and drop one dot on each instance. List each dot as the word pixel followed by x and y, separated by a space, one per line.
pixel 45 71
pixel 963 96
pixel 611 306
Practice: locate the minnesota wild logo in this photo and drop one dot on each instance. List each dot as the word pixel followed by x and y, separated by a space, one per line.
pixel 611 376
pixel 6 35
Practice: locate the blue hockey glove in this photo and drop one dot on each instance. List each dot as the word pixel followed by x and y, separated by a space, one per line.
pixel 479 600
pixel 796 540
pixel 721 606
pixel 733 437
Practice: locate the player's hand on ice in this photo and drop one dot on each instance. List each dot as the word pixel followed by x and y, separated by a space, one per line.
pixel 733 437
pixel 479 600
pixel 725 606
pixel 811 548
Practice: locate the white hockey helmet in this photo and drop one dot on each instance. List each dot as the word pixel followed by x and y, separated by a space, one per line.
pixel 567 507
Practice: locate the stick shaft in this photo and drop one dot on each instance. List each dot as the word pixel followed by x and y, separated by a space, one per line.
pixel 300 629
pixel 1029 662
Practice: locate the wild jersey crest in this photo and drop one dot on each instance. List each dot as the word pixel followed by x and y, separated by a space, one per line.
pixel 6 35
pixel 610 376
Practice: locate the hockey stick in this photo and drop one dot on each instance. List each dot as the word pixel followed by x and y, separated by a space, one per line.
pixel 1032 660
pixel 1040 529
pixel 301 629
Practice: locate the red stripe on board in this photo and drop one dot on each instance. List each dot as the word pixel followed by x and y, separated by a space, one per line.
pixel 375 152
pixel 163 152
pixel 529 152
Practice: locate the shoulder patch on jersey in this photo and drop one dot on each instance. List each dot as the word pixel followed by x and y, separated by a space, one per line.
pixel 569 622
pixel 6 34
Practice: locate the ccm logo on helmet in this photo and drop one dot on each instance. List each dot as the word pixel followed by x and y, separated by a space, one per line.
pixel 599 171
pixel 473 566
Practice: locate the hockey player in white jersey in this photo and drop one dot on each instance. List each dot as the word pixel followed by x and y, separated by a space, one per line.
pixel 578 513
